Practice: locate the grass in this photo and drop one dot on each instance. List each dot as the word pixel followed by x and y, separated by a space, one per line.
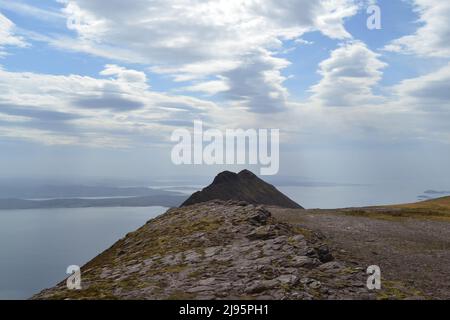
pixel 397 291
pixel 438 210
pixel 180 295
pixel 440 204
pixel 308 234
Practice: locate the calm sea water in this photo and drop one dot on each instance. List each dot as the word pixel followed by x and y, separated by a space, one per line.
pixel 353 196
pixel 37 246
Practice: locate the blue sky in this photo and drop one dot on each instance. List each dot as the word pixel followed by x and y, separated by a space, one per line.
pixel 96 88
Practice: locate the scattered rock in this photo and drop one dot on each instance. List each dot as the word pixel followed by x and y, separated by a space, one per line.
pixel 288 279
pixel 324 254
pixel 304 262
pixel 315 284
pixel 207 282
pixel 261 286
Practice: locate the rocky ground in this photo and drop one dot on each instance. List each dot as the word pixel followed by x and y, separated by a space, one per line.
pixel 410 243
pixel 225 250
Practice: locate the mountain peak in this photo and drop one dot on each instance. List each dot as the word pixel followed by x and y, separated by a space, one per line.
pixel 225 177
pixel 228 176
pixel 247 174
pixel 242 186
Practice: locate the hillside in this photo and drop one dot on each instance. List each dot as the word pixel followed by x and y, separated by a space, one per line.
pixel 435 209
pixel 439 204
pixel 217 250
pixel 244 186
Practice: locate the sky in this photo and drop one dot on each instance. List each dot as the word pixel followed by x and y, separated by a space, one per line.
pixel 95 88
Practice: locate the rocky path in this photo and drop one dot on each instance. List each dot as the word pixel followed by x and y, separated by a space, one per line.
pixel 410 252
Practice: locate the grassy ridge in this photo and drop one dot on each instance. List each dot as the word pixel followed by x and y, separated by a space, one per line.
pixel 436 209
pixel 440 204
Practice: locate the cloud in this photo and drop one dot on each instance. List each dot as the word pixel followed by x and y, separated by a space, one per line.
pixel 183 32
pixel 7 36
pixel 133 77
pixel 194 40
pixel 258 84
pixel 348 76
pixel 25 9
pixel 36 119
pixel 430 91
pixel 92 111
pixel 432 37
pixel 303 42
pixel 38 114
pixel 209 87
pixel 110 102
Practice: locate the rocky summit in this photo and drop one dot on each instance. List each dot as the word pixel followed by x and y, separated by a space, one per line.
pixel 244 186
pixel 218 250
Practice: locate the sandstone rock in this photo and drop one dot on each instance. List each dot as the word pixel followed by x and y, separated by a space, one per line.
pixel 211 251
pixel 332 266
pixel 260 217
pixel 261 286
pixel 315 284
pixel 304 262
pixel 207 282
pixel 198 289
pixel 288 279
pixel 262 233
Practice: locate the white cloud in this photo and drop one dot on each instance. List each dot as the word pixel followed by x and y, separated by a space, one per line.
pixel 303 42
pixel 432 38
pixel 198 40
pixel 7 36
pixel 209 87
pixel 348 77
pixel 258 83
pixel 182 32
pixel 430 91
pixel 217 47
pixel 131 77
pixel 120 111
pixel 28 10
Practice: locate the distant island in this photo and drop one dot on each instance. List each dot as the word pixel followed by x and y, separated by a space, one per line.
pixel 47 197
pixel 432 194
pixel 59 191
pixel 438 192
pixel 160 200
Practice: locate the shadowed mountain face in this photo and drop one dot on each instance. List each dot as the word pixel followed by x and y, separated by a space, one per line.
pixel 244 186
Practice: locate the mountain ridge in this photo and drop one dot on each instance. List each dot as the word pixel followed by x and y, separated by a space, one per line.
pixel 217 250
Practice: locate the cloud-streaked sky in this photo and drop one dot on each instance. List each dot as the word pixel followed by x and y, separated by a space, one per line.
pixel 96 87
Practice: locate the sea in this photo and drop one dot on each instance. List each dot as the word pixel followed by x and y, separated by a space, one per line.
pixel 38 245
